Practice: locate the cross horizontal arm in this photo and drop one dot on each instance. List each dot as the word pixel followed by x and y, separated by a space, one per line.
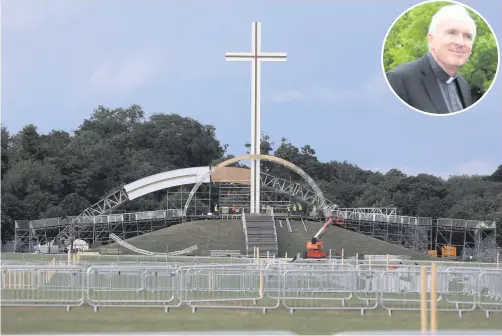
pixel 264 56
pixel 273 55
pixel 239 54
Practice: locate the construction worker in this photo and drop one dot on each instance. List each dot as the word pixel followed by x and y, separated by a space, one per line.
pixel 216 209
pixel 300 209
pixel 294 209
pixel 289 210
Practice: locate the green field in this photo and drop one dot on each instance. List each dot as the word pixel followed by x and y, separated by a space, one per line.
pixel 203 284
pixel 83 319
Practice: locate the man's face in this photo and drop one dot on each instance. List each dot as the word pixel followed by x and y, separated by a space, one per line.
pixel 452 42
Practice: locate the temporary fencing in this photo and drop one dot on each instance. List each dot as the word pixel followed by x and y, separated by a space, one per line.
pixel 327 285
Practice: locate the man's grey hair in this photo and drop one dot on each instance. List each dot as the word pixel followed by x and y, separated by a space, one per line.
pixel 456 12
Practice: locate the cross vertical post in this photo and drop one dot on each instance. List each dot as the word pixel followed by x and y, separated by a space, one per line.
pixel 256 56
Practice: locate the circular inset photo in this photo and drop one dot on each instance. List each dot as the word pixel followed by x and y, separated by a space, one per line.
pixel 440 57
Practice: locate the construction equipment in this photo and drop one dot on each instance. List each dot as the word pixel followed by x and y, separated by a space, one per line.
pixel 314 246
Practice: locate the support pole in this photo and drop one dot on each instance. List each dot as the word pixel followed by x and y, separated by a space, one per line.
pixel 434 298
pixel 423 299
pixel 211 288
pixel 261 279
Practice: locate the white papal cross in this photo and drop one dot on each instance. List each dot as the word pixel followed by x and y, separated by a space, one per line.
pixel 256 56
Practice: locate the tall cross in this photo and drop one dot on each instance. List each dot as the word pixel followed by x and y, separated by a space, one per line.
pixel 256 56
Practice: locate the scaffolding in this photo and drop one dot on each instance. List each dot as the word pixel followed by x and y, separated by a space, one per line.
pixel 277 193
pixel 238 195
pixel 95 224
pixel 225 195
pixel 23 237
pixel 201 204
pixel 383 223
pixel 467 239
pixel 97 230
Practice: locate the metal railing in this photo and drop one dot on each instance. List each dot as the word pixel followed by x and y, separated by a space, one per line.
pixel 205 257
pixel 332 285
pixel 244 228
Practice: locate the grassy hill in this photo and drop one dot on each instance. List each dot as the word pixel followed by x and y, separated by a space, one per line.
pixel 228 235
pixel 337 238
pixel 206 234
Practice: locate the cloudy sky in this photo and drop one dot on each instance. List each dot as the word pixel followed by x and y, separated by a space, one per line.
pixel 62 58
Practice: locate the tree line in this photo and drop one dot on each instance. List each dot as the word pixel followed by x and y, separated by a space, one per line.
pixel 60 174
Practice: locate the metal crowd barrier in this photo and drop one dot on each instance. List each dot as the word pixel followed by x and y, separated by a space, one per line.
pixel 330 285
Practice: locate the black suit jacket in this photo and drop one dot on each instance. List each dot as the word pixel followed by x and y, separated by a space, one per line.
pixel 416 84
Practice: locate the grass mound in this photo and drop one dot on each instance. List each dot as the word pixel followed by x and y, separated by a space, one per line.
pixel 337 238
pixel 228 235
pixel 206 234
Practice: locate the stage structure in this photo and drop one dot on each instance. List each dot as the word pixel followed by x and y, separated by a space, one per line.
pixel 476 239
pixel 97 230
pixel 317 197
pixel 96 223
pixel 466 238
pixel 230 189
pixel 256 56
pixel 469 237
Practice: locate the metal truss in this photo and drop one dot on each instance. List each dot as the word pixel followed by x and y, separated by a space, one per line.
pixel 137 250
pixel 94 226
pixel 371 214
pixel 276 192
pixel 294 189
pixel 318 200
pixel 85 220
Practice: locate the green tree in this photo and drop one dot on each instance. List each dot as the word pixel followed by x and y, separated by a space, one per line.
pixel 59 174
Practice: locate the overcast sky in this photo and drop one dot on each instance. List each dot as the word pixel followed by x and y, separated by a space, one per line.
pixel 61 59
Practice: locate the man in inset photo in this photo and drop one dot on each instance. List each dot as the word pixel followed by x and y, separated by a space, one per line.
pixel 432 83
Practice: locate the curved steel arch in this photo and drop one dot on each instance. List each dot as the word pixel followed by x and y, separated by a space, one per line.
pixel 318 200
pixel 165 180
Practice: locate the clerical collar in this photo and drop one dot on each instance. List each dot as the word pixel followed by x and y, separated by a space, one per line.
pixel 439 72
